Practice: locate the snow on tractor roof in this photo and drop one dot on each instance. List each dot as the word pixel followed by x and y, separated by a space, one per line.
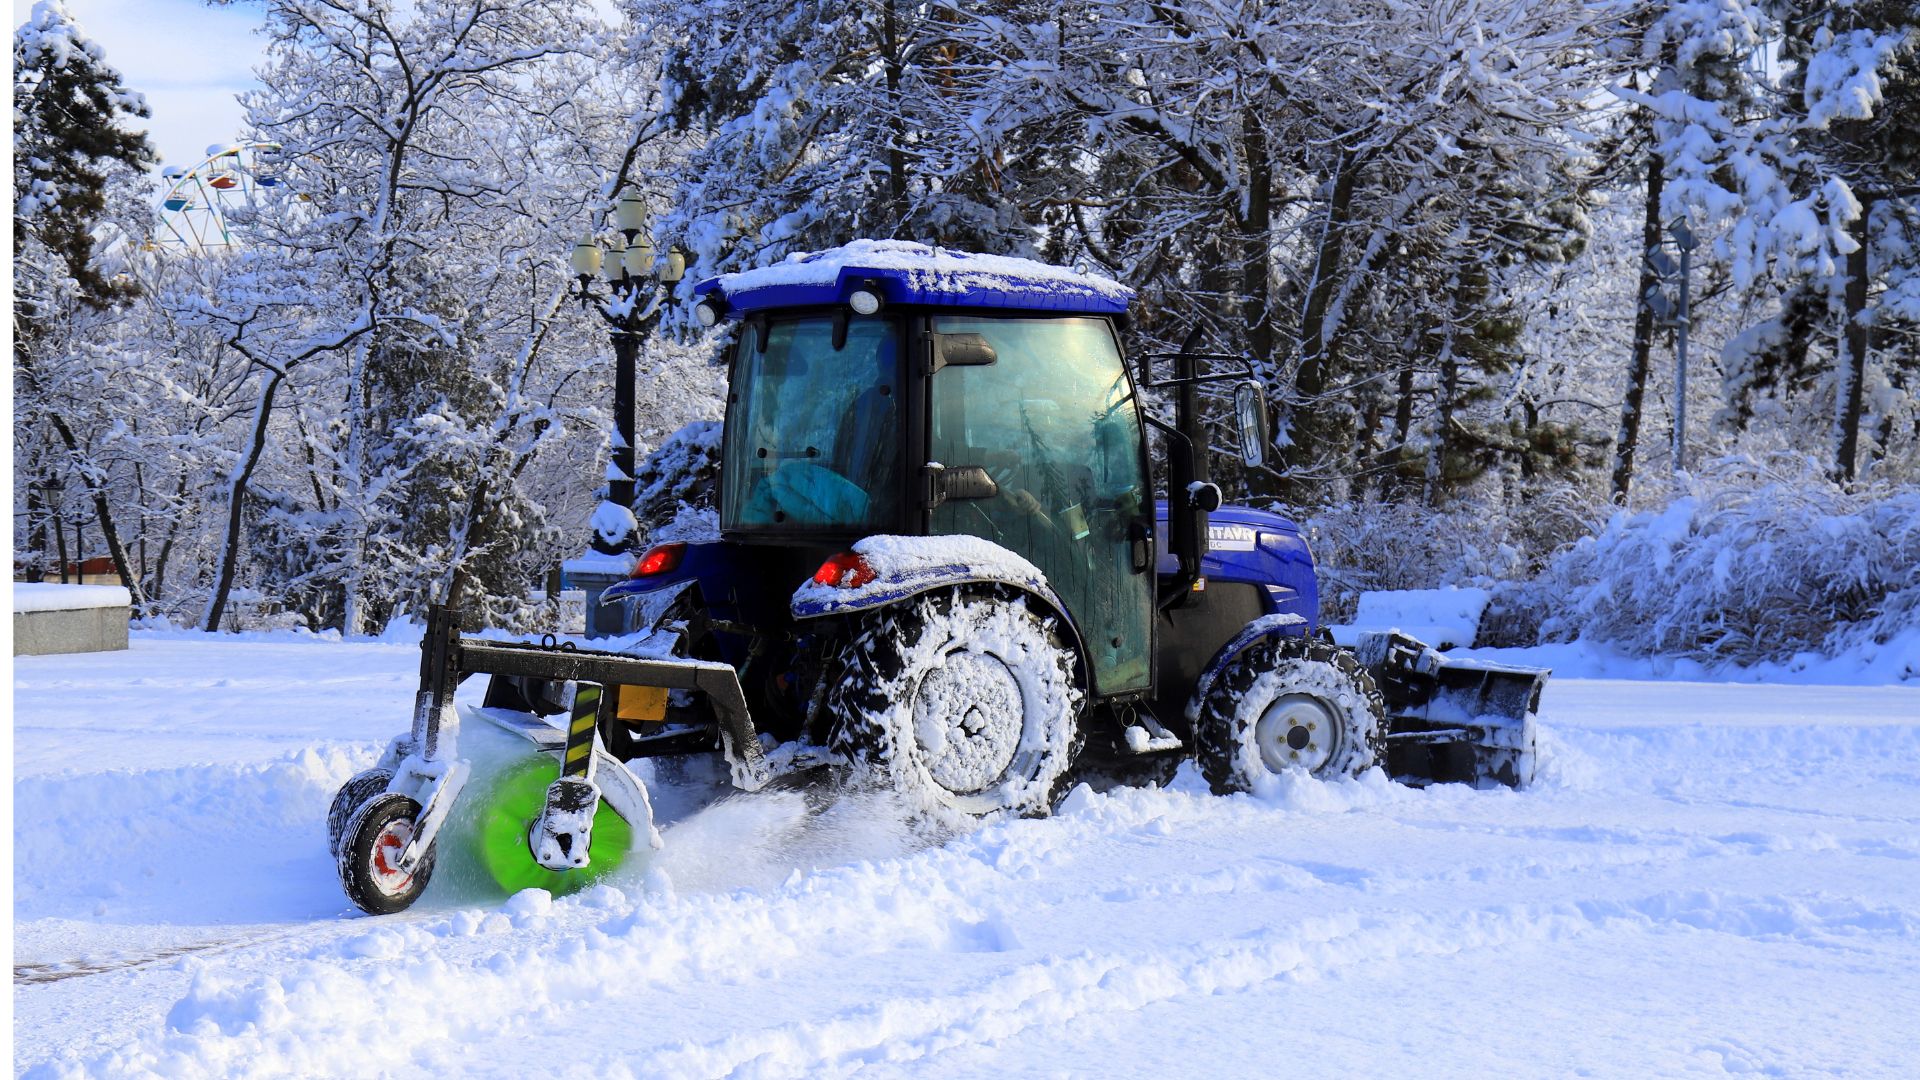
pixel 903 272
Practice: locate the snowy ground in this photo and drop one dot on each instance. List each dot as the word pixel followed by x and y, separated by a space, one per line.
pixel 1711 878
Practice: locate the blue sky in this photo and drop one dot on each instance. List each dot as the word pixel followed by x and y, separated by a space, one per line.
pixel 188 59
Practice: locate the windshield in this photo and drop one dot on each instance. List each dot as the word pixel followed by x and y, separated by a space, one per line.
pixel 813 436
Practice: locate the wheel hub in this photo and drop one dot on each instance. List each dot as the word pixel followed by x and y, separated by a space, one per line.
pixel 1297 732
pixel 387 847
pixel 968 715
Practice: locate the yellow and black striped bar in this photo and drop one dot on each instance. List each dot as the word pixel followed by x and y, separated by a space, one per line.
pixel 586 716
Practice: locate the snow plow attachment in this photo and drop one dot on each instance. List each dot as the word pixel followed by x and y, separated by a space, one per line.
pixel 518 799
pixel 1453 721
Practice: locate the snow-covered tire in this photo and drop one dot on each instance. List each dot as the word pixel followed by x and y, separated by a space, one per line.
pixel 355 793
pixel 372 840
pixel 964 701
pixel 1286 703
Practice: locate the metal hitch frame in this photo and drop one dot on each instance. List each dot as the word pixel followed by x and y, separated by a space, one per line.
pixel 428 771
pixel 453 657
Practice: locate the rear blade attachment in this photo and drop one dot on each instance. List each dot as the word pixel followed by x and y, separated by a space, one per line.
pixel 1453 721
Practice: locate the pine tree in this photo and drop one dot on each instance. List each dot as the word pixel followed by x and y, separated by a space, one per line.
pixel 1856 98
pixel 68 140
pixel 1826 181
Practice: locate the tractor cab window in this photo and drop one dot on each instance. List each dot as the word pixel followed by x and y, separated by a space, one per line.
pixel 1053 421
pixel 812 440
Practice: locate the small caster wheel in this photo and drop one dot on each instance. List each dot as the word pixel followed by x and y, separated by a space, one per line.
pixel 352 795
pixel 369 855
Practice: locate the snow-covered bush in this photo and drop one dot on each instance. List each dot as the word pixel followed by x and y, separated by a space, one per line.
pixel 1362 547
pixel 1754 563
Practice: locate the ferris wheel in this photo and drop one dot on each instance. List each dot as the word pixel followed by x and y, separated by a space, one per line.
pixel 193 213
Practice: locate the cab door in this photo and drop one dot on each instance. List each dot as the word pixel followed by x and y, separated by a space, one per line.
pixel 1054 421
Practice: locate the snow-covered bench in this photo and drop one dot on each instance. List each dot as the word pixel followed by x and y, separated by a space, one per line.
pixel 68 618
pixel 1443 618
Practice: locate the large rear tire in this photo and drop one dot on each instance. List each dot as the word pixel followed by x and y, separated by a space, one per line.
pixel 1284 704
pixel 964 701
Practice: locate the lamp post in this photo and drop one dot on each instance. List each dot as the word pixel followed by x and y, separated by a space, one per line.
pixel 636 282
pixel 1683 239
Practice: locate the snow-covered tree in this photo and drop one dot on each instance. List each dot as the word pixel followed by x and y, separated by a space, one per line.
pixel 74 164
pixel 1270 171
pixel 1696 92
pixel 1787 128
pixel 433 170
pixel 1855 102
pixel 812 124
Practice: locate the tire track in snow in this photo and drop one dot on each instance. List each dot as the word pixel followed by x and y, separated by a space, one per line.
pixel 328 1014
pixel 1058 991
pixel 51 971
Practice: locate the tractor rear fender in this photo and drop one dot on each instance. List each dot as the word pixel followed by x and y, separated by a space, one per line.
pixel 690 561
pixel 891 569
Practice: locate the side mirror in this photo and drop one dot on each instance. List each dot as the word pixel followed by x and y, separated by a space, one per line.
pixel 1250 408
pixel 962 350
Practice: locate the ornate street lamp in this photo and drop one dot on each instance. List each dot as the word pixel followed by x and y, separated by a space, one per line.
pixel 637 283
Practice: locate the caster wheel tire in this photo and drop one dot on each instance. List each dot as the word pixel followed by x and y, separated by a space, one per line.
pixel 353 794
pixel 369 855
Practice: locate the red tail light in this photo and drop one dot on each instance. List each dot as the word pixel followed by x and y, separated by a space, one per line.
pixel 659 559
pixel 844 571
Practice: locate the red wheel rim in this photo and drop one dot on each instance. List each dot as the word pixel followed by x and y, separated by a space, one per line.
pixel 387 875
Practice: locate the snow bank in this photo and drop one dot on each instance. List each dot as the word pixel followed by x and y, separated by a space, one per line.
pixel 191 845
pixel 30 596
pixel 1747 575
pixel 1760 569
pixel 1888 663
pixel 1442 618
pixel 1398 547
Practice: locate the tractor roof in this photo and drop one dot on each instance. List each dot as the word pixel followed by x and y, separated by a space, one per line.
pixel 902 272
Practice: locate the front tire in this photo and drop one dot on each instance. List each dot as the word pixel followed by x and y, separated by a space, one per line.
pixel 1286 704
pixel 963 701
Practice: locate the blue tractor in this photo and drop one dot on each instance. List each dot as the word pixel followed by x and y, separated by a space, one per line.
pixel 943 562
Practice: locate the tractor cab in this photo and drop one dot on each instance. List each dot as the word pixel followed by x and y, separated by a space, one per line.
pixel 887 392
